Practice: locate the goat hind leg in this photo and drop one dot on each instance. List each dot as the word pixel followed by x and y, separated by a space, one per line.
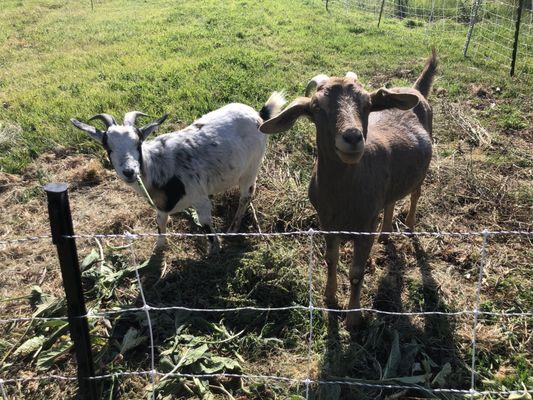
pixel 247 191
pixel 411 216
pixel 203 208
pixel 386 224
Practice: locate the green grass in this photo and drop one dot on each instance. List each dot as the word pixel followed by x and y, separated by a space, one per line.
pixel 60 59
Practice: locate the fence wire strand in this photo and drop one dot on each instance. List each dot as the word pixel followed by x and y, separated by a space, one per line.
pixel 110 313
pixel 482 265
pixel 303 233
pixel 310 284
pixel 25 239
pixel 130 236
pixel 352 382
pixel 146 309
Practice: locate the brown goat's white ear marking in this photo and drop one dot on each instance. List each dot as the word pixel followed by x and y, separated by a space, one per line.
pixel 314 83
pixel 351 75
pixel 383 99
pixel 286 119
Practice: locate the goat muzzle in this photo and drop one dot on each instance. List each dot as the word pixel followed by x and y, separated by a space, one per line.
pixel 350 146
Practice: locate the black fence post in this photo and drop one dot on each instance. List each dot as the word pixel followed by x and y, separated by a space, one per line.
pixel 62 228
pixel 381 11
pixel 516 34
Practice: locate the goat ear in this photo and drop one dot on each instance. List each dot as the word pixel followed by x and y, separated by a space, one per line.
pixel 383 99
pixel 147 129
pixel 351 75
pixel 95 133
pixel 286 119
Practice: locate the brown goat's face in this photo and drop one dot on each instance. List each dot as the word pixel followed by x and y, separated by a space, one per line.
pixel 340 110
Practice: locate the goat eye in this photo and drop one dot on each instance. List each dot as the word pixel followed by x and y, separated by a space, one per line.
pixel 315 107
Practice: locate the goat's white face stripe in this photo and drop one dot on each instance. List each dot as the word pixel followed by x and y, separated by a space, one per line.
pixel 123 143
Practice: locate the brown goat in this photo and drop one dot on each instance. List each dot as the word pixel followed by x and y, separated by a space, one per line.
pixel 373 150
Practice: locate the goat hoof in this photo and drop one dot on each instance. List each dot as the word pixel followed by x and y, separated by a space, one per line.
pixel 332 302
pixel 384 238
pixel 410 223
pixel 213 249
pixel 213 253
pixel 371 265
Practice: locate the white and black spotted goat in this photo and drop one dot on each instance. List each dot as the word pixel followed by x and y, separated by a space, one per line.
pixel 222 149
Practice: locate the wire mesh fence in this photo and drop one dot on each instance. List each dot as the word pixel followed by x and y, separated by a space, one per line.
pixel 489 27
pixel 456 10
pixel 495 32
pixel 310 382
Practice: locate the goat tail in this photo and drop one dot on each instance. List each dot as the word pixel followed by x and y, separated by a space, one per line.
pixel 273 106
pixel 424 81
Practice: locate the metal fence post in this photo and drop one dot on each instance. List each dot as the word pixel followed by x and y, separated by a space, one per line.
pixel 432 12
pixel 61 226
pixel 516 34
pixel 381 11
pixel 473 18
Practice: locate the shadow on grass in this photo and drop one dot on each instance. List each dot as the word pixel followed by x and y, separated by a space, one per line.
pixel 394 349
pixel 246 273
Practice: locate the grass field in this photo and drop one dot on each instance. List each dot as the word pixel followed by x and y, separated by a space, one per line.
pixel 60 59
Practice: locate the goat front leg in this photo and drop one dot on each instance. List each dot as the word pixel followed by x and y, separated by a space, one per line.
pixel 386 224
pixel 161 219
pixel 362 247
pixel 247 191
pixel 332 260
pixel 411 217
pixel 203 208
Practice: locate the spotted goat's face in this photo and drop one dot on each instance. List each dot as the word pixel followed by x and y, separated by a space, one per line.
pixel 340 108
pixel 123 143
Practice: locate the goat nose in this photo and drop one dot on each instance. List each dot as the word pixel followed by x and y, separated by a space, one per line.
pixel 128 173
pixel 353 137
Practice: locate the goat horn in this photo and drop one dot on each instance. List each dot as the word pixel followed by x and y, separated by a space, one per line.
pixel 351 75
pixel 107 119
pixel 313 84
pixel 131 117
